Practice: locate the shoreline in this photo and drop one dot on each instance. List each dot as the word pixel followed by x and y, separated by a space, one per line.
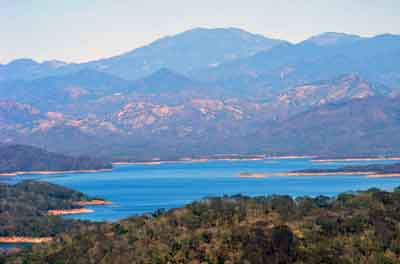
pixel 92 202
pixel 29 240
pixel 159 162
pixel 13 174
pixel 291 157
pixel 199 160
pixel 70 211
pixel 82 210
pixel 302 174
pixel 313 158
pixel 355 159
pixel 367 174
pixel 387 175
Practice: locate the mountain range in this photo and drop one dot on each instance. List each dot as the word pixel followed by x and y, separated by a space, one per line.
pixel 196 48
pixel 211 91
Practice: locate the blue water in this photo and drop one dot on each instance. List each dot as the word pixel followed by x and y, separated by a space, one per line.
pixel 138 189
pixel 8 246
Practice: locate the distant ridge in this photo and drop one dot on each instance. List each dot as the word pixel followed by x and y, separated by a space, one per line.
pixel 22 158
pixel 192 50
pixel 183 95
pixel 332 39
pixel 183 52
pixel 163 80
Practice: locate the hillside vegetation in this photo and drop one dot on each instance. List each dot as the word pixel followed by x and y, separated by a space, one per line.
pixel 16 158
pixel 24 207
pixel 361 227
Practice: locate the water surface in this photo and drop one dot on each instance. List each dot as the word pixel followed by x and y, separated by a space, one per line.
pixel 138 189
pixel 8 246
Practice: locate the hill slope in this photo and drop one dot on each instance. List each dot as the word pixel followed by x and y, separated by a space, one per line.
pixel 24 209
pixel 196 48
pixel 16 158
pixel 376 59
pixel 352 228
pixel 184 120
pixel 360 127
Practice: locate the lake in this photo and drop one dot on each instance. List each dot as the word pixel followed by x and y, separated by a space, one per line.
pixel 9 246
pixel 137 189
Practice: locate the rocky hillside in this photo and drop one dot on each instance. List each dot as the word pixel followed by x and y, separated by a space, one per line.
pixel 262 99
pixel 177 124
pixel 360 126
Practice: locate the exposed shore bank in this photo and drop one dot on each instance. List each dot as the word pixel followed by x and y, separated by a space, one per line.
pixel 70 211
pixel 12 174
pixel 300 174
pixel 28 240
pixel 93 202
pixel 386 175
pixel 83 210
pixel 232 157
pixel 370 174
pixel 355 159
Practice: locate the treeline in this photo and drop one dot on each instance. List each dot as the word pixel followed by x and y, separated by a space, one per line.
pixel 14 158
pixel 24 207
pixel 359 227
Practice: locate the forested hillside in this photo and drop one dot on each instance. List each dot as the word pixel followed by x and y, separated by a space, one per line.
pixel 358 227
pixel 24 209
pixel 21 158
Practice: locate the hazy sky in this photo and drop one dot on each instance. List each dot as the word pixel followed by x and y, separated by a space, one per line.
pixel 81 30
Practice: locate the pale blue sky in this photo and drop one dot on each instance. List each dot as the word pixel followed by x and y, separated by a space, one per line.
pixel 81 30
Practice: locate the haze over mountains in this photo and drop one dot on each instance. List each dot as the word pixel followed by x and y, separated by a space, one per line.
pixel 212 91
pixel 196 48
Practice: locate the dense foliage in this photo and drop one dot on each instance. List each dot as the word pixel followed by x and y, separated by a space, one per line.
pixel 359 227
pixel 15 158
pixel 24 206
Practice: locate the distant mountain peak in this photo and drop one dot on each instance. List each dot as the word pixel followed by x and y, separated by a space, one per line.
pixel 164 80
pixel 165 75
pixel 350 77
pixel 333 38
pixel 218 29
pixel 183 52
pixel 55 63
pixel 22 62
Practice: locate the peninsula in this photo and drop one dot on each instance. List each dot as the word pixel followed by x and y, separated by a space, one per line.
pixel 369 171
pixel 22 159
pixel 34 210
